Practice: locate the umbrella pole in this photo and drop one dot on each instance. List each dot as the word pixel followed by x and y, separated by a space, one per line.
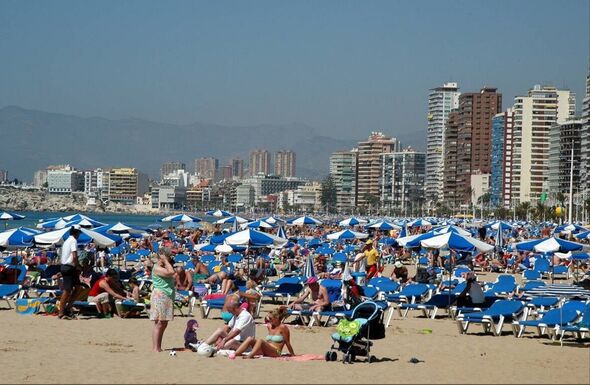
pixel 552 269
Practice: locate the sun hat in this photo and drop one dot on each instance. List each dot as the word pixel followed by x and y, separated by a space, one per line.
pixel 311 280
pixel 369 242
pixel 398 264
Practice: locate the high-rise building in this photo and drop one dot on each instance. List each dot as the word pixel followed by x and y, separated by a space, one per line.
pixel 562 137
pixel 501 167
pixel 450 161
pixel 171 167
pixel 3 176
pixel 343 174
pixel 534 115
pixel 126 184
pixel 259 162
pixel 368 166
pixel 237 165
pixel 226 172
pixel 206 167
pixel 441 101
pixel 285 163
pixel 474 138
pixel 585 142
pixel 402 181
pixel 497 168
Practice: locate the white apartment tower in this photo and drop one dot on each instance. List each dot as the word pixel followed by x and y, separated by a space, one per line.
pixel 441 101
pixel 343 173
pixel 534 115
pixel 585 142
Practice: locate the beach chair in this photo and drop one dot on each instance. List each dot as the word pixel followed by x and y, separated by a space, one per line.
pixel 9 292
pixel 488 301
pixel 409 294
pixel 384 286
pixel 444 300
pixel 542 266
pixel 530 285
pixel 285 291
pixel 493 318
pixel 531 275
pixel 504 285
pixel 551 319
pixel 538 305
pixel 579 329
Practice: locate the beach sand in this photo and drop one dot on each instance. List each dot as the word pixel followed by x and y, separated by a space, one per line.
pixel 44 349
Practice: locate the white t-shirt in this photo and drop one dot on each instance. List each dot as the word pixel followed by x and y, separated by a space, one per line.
pixel 68 247
pixel 245 323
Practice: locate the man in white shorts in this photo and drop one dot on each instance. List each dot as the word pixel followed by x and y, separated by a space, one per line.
pixel 240 327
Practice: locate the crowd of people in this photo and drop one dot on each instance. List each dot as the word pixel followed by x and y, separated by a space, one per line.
pixel 88 273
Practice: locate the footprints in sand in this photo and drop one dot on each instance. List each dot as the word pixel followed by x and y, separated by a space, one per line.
pixel 113 347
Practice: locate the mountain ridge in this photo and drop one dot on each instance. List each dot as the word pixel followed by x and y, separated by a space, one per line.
pixel 34 139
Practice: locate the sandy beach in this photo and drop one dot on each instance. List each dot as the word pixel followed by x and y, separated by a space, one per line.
pixel 43 349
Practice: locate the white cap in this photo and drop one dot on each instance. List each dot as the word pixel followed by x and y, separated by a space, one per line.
pixel 398 264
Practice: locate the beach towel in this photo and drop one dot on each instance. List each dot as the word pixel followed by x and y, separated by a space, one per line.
pixel 26 306
pixel 301 358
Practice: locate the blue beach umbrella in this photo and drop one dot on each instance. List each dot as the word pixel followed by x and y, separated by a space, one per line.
pixel 308 268
pixel 122 228
pixel 352 221
pixel 52 223
pixel 183 218
pixel 273 220
pixel 254 238
pixel 219 213
pixel 19 237
pixel 347 234
pixel 570 228
pixel 231 220
pixel 260 224
pixel 382 225
pixel 6 216
pixel 305 220
pixel 281 232
pixel 57 237
pixel 420 223
pixel 583 235
pixel 549 245
pixel 456 242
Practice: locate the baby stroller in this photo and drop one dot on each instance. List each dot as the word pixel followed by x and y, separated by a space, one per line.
pixel 354 334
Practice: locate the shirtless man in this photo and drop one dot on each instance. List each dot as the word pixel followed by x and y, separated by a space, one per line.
pixel 319 296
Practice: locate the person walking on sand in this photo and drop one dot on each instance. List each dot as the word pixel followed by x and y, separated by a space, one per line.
pixel 162 299
pixel 69 273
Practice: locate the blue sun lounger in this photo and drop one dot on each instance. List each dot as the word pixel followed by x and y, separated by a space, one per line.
pixel 409 294
pixel 551 319
pixel 579 329
pixel 493 318
pixel 438 301
pixel 9 292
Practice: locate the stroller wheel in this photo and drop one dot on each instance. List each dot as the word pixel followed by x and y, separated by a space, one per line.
pixel 328 356
pixel 348 358
pixel 371 359
pixel 333 356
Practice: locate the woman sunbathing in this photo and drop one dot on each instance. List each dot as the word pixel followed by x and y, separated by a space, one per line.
pixel 271 346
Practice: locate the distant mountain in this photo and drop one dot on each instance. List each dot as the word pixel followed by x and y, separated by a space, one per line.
pixel 32 140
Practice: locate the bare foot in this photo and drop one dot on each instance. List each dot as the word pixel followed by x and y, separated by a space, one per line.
pixel 156 350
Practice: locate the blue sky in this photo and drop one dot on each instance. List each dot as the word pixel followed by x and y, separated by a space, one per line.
pixel 344 67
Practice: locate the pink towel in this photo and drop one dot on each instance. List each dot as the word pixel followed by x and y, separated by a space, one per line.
pixel 301 358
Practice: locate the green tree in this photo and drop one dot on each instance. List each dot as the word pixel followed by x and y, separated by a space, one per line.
pixel 328 196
